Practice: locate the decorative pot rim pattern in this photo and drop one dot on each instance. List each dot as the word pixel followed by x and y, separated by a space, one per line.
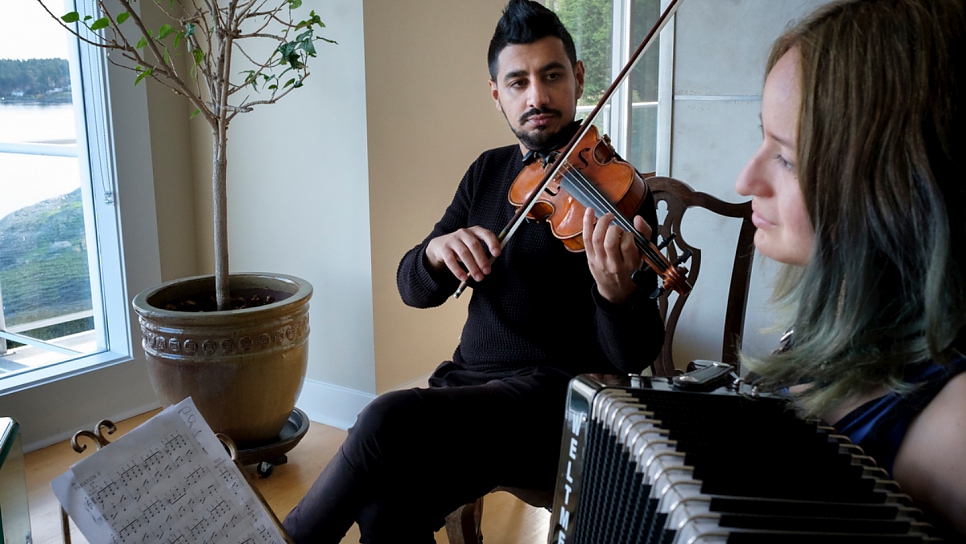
pixel 301 292
pixel 193 345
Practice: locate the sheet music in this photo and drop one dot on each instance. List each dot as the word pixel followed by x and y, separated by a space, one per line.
pixel 168 481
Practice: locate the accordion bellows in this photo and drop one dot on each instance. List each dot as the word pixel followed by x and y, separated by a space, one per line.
pixel 651 463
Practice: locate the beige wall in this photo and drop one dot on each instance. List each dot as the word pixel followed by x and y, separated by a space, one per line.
pixel 429 115
pixel 174 189
pixel 174 181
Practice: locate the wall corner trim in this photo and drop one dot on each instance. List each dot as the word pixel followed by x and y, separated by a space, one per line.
pixel 331 404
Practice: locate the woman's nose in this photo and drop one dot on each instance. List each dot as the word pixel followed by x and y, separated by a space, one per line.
pixel 750 180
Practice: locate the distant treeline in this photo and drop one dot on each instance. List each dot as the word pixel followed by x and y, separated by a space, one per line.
pixel 35 79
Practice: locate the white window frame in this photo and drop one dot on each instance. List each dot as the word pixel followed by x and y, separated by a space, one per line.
pixel 126 258
pixel 616 115
pixel 665 96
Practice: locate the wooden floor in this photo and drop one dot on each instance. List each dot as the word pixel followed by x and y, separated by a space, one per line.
pixel 506 520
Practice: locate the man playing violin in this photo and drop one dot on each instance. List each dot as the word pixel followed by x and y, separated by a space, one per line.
pixel 539 315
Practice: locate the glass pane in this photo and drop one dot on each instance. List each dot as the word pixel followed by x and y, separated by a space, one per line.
pixel 644 82
pixel 643 138
pixel 46 315
pixel 591 23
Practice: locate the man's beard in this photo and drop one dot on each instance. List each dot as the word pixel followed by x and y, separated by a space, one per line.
pixel 540 139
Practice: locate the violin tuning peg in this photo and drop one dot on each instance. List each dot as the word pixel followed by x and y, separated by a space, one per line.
pixel 683 258
pixel 657 293
pixel 667 241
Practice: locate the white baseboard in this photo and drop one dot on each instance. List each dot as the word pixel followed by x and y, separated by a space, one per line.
pixel 332 405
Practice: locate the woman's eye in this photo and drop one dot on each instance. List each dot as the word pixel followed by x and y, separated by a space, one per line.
pixel 785 163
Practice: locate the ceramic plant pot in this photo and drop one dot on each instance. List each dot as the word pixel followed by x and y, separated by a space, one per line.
pixel 243 368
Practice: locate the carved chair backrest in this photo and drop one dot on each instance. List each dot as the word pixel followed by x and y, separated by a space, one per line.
pixel 679 197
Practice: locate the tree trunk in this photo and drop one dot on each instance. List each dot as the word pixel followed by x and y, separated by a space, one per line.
pixel 219 177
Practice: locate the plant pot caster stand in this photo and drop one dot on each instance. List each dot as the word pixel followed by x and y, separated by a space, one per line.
pixel 269 455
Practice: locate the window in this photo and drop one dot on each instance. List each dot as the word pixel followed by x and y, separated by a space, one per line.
pixel 606 33
pixel 62 308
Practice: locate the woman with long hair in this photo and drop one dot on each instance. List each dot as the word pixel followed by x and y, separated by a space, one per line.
pixel 858 188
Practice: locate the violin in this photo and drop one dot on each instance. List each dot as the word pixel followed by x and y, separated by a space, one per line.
pixel 588 173
pixel 592 176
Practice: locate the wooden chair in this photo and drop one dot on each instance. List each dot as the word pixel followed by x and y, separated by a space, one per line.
pixel 679 197
pixel 463 524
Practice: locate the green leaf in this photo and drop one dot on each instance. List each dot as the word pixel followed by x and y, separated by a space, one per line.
pixel 177 38
pixel 165 31
pixel 194 114
pixel 312 20
pixel 71 17
pixel 103 22
pixel 121 17
pixel 143 74
pixel 308 47
pixel 273 87
pixel 289 82
pixel 198 54
pixel 294 4
pixel 250 78
pixel 141 43
pixel 167 59
pixel 88 17
pixel 286 49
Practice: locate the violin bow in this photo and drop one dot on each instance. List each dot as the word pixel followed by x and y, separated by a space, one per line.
pixel 552 172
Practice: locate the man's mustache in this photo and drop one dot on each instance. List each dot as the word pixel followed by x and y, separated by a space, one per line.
pixel 538 111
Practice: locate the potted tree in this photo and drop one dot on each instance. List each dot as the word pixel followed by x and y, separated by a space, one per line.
pixel 236 343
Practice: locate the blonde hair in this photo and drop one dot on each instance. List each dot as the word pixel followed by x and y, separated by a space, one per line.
pixel 880 153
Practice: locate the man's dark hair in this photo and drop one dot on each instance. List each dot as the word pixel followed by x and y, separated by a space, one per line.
pixel 525 22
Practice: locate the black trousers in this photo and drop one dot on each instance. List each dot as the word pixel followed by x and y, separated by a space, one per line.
pixel 414 456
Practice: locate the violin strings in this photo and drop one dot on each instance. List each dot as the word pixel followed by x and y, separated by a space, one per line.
pixel 592 197
pixel 588 194
pixel 596 200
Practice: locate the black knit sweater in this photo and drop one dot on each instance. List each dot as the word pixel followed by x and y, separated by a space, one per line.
pixel 539 306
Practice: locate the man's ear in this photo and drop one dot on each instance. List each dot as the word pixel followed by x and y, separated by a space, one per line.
pixel 495 93
pixel 579 77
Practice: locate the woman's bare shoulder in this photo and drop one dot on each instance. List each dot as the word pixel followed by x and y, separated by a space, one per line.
pixel 931 462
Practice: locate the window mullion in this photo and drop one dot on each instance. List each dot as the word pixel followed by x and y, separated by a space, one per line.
pixel 617 115
pixel 665 96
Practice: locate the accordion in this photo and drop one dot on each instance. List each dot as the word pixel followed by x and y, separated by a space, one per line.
pixel 682 460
